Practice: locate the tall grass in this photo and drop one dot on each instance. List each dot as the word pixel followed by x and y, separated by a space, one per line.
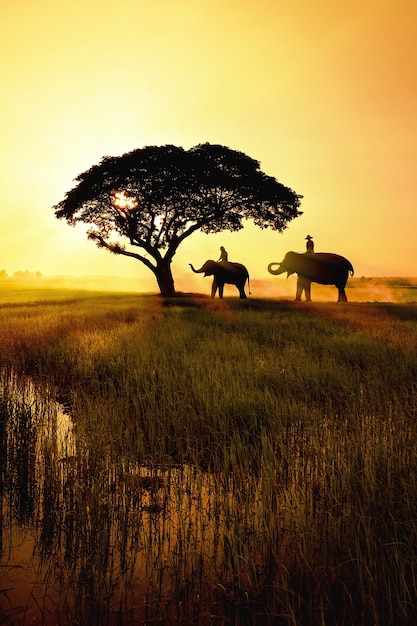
pixel 231 462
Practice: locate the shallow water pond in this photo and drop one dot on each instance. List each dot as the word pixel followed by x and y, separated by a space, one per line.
pixel 90 539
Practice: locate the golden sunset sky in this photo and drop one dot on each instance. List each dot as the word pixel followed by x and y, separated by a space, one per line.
pixel 322 92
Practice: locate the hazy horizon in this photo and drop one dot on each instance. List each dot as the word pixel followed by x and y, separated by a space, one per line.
pixel 395 289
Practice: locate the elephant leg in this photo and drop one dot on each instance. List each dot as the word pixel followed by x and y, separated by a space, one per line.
pixel 342 295
pixel 242 293
pixel 214 289
pixel 303 284
pixel 300 289
pixel 221 287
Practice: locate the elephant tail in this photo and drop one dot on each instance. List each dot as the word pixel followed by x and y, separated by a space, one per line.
pixel 250 293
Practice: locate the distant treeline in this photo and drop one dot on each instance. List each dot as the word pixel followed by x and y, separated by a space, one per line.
pixel 26 275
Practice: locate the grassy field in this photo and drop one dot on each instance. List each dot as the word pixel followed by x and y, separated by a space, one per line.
pixel 222 462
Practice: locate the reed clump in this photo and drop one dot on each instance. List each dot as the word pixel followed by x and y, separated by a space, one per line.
pixel 223 462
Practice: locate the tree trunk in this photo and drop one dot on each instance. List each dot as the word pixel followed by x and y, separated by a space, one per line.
pixel 165 280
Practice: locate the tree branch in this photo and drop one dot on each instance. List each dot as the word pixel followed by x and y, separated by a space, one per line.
pixel 118 249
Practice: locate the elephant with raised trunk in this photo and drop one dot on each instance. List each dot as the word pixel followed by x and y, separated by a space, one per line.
pixel 225 272
pixel 324 268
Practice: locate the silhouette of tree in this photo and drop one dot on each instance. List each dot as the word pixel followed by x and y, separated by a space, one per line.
pixel 26 275
pixel 144 203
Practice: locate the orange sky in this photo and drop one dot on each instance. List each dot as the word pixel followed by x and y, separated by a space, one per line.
pixel 322 93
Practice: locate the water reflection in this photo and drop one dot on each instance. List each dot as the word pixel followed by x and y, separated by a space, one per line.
pixel 90 539
pixel 30 422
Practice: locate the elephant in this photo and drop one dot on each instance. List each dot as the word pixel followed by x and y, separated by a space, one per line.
pixel 225 272
pixel 324 268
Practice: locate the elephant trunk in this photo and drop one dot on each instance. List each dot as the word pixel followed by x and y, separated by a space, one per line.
pixel 196 271
pixel 276 271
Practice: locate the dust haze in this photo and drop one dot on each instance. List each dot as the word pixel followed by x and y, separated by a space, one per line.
pixel 363 289
pixel 378 289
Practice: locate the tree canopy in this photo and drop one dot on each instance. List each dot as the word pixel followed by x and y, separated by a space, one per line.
pixel 144 203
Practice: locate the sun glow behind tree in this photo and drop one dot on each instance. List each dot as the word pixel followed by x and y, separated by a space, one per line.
pixel 122 201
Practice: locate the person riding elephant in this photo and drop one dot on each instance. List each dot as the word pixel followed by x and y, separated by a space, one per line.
pixel 309 244
pixel 223 273
pixel 325 268
pixel 223 255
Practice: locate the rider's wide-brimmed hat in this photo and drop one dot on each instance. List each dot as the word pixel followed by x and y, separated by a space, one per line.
pixel 309 237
